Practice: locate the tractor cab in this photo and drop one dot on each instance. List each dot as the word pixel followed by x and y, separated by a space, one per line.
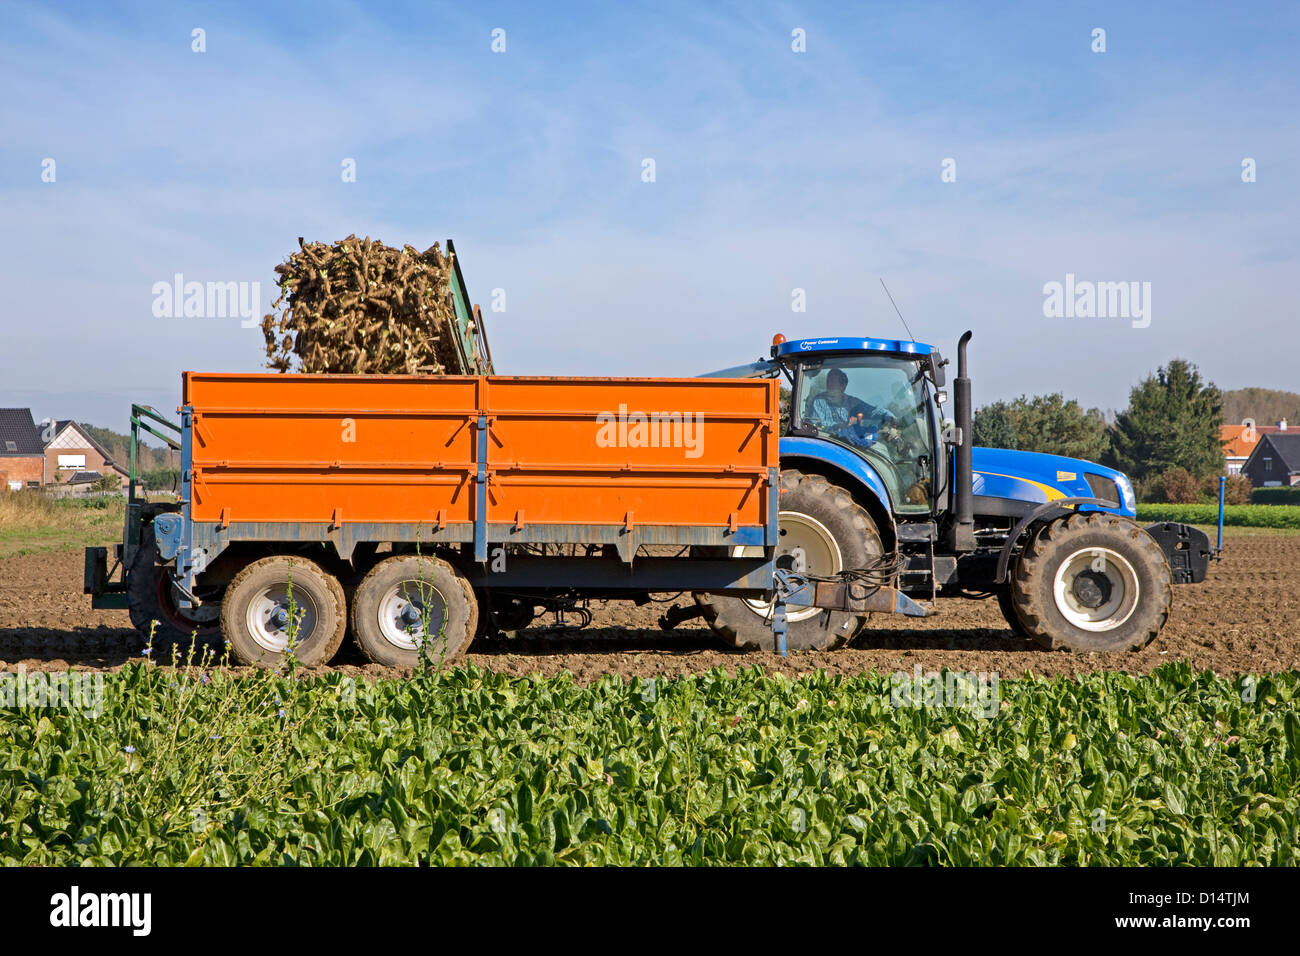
pixel 875 398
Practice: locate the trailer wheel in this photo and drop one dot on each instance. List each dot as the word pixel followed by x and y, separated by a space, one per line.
pixel 1093 582
pixel 825 530
pixel 504 614
pixel 255 612
pixel 394 601
pixel 152 602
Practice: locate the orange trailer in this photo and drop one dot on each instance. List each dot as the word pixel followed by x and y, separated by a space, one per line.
pixel 555 460
pixel 507 492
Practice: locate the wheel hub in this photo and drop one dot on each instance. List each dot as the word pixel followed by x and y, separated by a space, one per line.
pixel 807 546
pixel 268 618
pixel 1092 589
pixel 793 560
pixel 1096 589
pixel 403 610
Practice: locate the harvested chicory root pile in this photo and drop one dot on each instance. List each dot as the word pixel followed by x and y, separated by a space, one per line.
pixel 358 306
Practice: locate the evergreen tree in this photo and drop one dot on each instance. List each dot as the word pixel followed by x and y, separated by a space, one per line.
pixel 1050 424
pixel 1172 421
pixel 1044 423
pixel 993 427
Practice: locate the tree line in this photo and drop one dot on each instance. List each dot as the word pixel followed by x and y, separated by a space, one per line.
pixel 1266 405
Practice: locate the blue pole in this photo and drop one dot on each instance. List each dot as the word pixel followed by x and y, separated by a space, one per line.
pixel 779 625
pixel 1223 484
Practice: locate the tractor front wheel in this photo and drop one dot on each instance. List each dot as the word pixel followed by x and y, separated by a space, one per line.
pixel 1092 582
pixel 1008 608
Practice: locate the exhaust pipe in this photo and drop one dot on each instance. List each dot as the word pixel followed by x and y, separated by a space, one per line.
pixel 963 526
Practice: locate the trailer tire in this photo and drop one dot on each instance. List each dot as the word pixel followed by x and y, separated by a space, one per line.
pixel 827 514
pixel 254 612
pixel 500 615
pixel 411 585
pixel 1092 583
pixel 151 602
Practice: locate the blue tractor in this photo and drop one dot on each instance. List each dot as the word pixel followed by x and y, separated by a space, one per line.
pixel 877 489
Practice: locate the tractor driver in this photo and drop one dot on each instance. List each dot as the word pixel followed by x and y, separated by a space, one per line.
pixel 839 413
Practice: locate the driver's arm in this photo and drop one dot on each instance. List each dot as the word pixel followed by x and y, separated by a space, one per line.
pixel 870 414
pixel 810 416
pixel 878 414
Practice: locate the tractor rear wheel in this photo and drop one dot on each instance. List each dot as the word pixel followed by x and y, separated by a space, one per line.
pixel 1092 582
pixel 823 531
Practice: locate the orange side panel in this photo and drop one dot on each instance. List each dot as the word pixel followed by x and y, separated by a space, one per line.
pixel 666 451
pixel 270 447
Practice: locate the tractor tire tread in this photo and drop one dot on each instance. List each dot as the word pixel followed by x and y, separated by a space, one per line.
pixel 1030 599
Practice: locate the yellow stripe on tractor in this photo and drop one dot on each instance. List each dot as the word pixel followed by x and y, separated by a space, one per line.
pixel 1052 493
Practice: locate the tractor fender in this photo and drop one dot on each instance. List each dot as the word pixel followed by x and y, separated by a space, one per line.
pixel 850 472
pixel 1044 512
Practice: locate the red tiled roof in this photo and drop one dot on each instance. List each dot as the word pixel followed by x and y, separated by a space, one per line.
pixel 1240 445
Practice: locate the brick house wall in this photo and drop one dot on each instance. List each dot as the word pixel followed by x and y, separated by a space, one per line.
pixel 24 469
pixel 78 453
pixel 84 459
pixel 22 455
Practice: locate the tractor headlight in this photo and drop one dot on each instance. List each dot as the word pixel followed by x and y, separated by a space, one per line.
pixel 1129 500
pixel 1117 490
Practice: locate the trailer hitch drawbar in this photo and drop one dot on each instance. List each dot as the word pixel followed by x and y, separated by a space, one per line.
pixel 838 593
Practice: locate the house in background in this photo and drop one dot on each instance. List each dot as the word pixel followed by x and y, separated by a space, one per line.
pixel 51 453
pixel 22 456
pixel 1275 460
pixel 1240 441
pixel 70 450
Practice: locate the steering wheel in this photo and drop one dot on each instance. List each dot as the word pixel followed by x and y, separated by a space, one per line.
pixel 858 432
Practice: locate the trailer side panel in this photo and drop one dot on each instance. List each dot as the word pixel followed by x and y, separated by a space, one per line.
pixel 502 453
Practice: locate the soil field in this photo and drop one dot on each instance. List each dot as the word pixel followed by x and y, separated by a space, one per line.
pixel 1245 618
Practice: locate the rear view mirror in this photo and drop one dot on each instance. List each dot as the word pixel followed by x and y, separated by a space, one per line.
pixel 936 364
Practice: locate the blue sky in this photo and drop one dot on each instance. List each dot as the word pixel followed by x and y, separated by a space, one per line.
pixel 775 170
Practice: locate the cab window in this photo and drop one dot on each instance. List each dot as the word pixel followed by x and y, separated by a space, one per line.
pixel 877 406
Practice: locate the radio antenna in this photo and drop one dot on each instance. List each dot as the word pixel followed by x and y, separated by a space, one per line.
pixel 910 336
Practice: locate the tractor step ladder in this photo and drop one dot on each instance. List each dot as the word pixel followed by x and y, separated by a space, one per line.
pixel 919 532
